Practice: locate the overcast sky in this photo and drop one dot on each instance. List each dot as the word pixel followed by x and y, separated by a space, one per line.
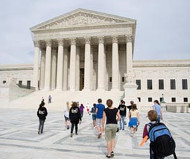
pixel 163 26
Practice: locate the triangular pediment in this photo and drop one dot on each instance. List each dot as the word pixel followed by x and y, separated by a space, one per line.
pixel 80 18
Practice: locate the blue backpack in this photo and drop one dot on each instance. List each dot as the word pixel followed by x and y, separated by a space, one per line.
pixel 161 141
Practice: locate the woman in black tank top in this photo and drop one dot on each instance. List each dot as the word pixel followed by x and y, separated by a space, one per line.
pixel 111 115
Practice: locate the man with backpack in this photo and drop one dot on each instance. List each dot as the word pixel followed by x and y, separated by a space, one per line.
pixel 161 142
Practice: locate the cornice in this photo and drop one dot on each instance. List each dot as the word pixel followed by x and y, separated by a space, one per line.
pixel 161 63
pixel 16 67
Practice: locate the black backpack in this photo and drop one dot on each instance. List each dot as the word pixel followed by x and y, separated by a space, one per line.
pixel 161 141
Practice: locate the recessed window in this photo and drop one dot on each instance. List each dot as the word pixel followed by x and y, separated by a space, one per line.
pixel 139 99
pixel 184 84
pixel 161 84
pixel 4 82
pixel 138 82
pixel 149 99
pixel 173 99
pixel 123 79
pixel 160 99
pixel 110 79
pixel 20 83
pixel 149 84
pixel 185 99
pixel 28 84
pixel 172 84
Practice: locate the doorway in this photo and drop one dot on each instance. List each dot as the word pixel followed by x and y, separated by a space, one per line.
pixel 81 78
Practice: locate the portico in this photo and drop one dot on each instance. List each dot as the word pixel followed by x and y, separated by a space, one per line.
pixel 83 50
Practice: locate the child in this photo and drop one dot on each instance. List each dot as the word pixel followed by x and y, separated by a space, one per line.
pixel 133 119
pixel 66 115
pixel 161 141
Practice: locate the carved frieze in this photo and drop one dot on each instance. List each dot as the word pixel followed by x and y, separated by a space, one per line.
pixel 81 19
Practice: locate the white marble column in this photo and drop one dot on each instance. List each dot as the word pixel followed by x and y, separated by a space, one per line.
pixel 65 69
pixel 129 54
pixel 115 64
pixel 87 69
pixel 60 65
pixel 101 64
pixel 92 72
pixel 48 65
pixel 36 65
pixel 73 65
pixel 42 69
pixel 77 68
pixel 53 69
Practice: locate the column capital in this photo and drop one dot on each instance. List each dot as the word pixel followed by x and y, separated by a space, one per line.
pixel 73 41
pixel 48 43
pixel 37 43
pixel 87 40
pixel 114 39
pixel 60 42
pixel 129 38
pixel 101 39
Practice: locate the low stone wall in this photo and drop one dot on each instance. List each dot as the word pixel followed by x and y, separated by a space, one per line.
pixel 177 107
pixel 16 91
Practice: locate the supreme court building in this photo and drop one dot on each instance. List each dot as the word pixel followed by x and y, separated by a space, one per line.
pixel 83 50
pixel 86 50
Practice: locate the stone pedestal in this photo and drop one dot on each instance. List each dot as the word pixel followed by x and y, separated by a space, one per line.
pixel 130 93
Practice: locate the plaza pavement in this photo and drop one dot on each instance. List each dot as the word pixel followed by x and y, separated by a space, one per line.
pixel 19 138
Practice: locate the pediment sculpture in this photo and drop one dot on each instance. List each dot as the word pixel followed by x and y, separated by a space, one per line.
pixel 81 19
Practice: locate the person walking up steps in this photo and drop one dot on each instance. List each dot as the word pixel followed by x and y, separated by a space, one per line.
pixel 75 117
pixel 93 112
pixel 130 106
pixel 41 113
pixel 161 142
pixel 157 108
pixel 99 115
pixel 111 115
pixel 122 112
pixel 133 119
pixel 49 99
pixel 81 110
pixel 66 115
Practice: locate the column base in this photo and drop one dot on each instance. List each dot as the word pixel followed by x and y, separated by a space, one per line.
pixel 100 90
pixel 86 90
pixel 115 90
pixel 36 88
pixel 58 89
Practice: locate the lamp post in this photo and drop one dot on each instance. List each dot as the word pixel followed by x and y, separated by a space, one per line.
pixel 162 101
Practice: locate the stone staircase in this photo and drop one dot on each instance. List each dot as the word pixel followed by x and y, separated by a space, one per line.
pixel 59 98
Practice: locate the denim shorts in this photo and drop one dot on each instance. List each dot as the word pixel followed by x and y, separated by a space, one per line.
pixel 93 116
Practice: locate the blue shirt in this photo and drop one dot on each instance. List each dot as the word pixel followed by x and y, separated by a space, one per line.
pixel 100 111
pixel 157 109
